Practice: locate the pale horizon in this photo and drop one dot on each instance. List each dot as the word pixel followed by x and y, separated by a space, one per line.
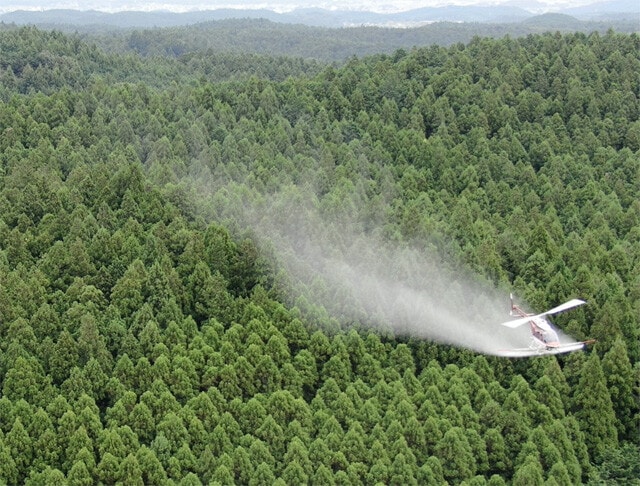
pixel 281 6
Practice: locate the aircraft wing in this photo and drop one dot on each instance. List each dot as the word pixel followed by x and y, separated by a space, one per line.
pixel 518 353
pixel 527 352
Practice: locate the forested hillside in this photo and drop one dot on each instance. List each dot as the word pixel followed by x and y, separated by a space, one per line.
pixel 145 337
pixel 260 36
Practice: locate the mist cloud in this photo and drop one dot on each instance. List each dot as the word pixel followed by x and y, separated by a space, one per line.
pixel 360 278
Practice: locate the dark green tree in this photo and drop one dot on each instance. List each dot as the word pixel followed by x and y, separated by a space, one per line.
pixel 20 447
pixel 8 468
pixel 456 456
pixel 594 409
pixel 619 377
pixel 79 475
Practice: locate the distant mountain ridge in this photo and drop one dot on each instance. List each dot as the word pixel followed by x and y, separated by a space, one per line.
pixel 316 17
pixel 319 17
pixel 608 9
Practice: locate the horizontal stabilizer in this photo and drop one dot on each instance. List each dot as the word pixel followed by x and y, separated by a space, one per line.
pixel 517 322
pixel 562 307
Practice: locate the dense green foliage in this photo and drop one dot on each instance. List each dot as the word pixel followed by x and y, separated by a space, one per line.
pixel 46 62
pixel 144 339
pixel 291 37
pixel 335 44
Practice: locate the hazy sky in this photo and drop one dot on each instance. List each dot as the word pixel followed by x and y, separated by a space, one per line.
pixel 278 5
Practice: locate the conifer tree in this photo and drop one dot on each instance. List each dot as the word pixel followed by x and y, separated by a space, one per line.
pixel 79 475
pixel 594 410
pixel 619 377
pixel 529 473
pixel 108 469
pixel 8 468
pixel 263 475
pixel 151 470
pixel 20 447
pixel 456 455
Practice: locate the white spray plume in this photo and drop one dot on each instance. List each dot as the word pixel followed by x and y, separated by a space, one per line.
pixel 361 278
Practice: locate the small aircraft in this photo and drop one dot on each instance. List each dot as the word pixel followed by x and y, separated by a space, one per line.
pixel 544 337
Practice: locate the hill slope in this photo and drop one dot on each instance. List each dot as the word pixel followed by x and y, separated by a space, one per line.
pixel 147 336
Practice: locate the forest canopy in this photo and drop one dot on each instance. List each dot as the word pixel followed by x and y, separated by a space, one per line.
pixel 146 338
